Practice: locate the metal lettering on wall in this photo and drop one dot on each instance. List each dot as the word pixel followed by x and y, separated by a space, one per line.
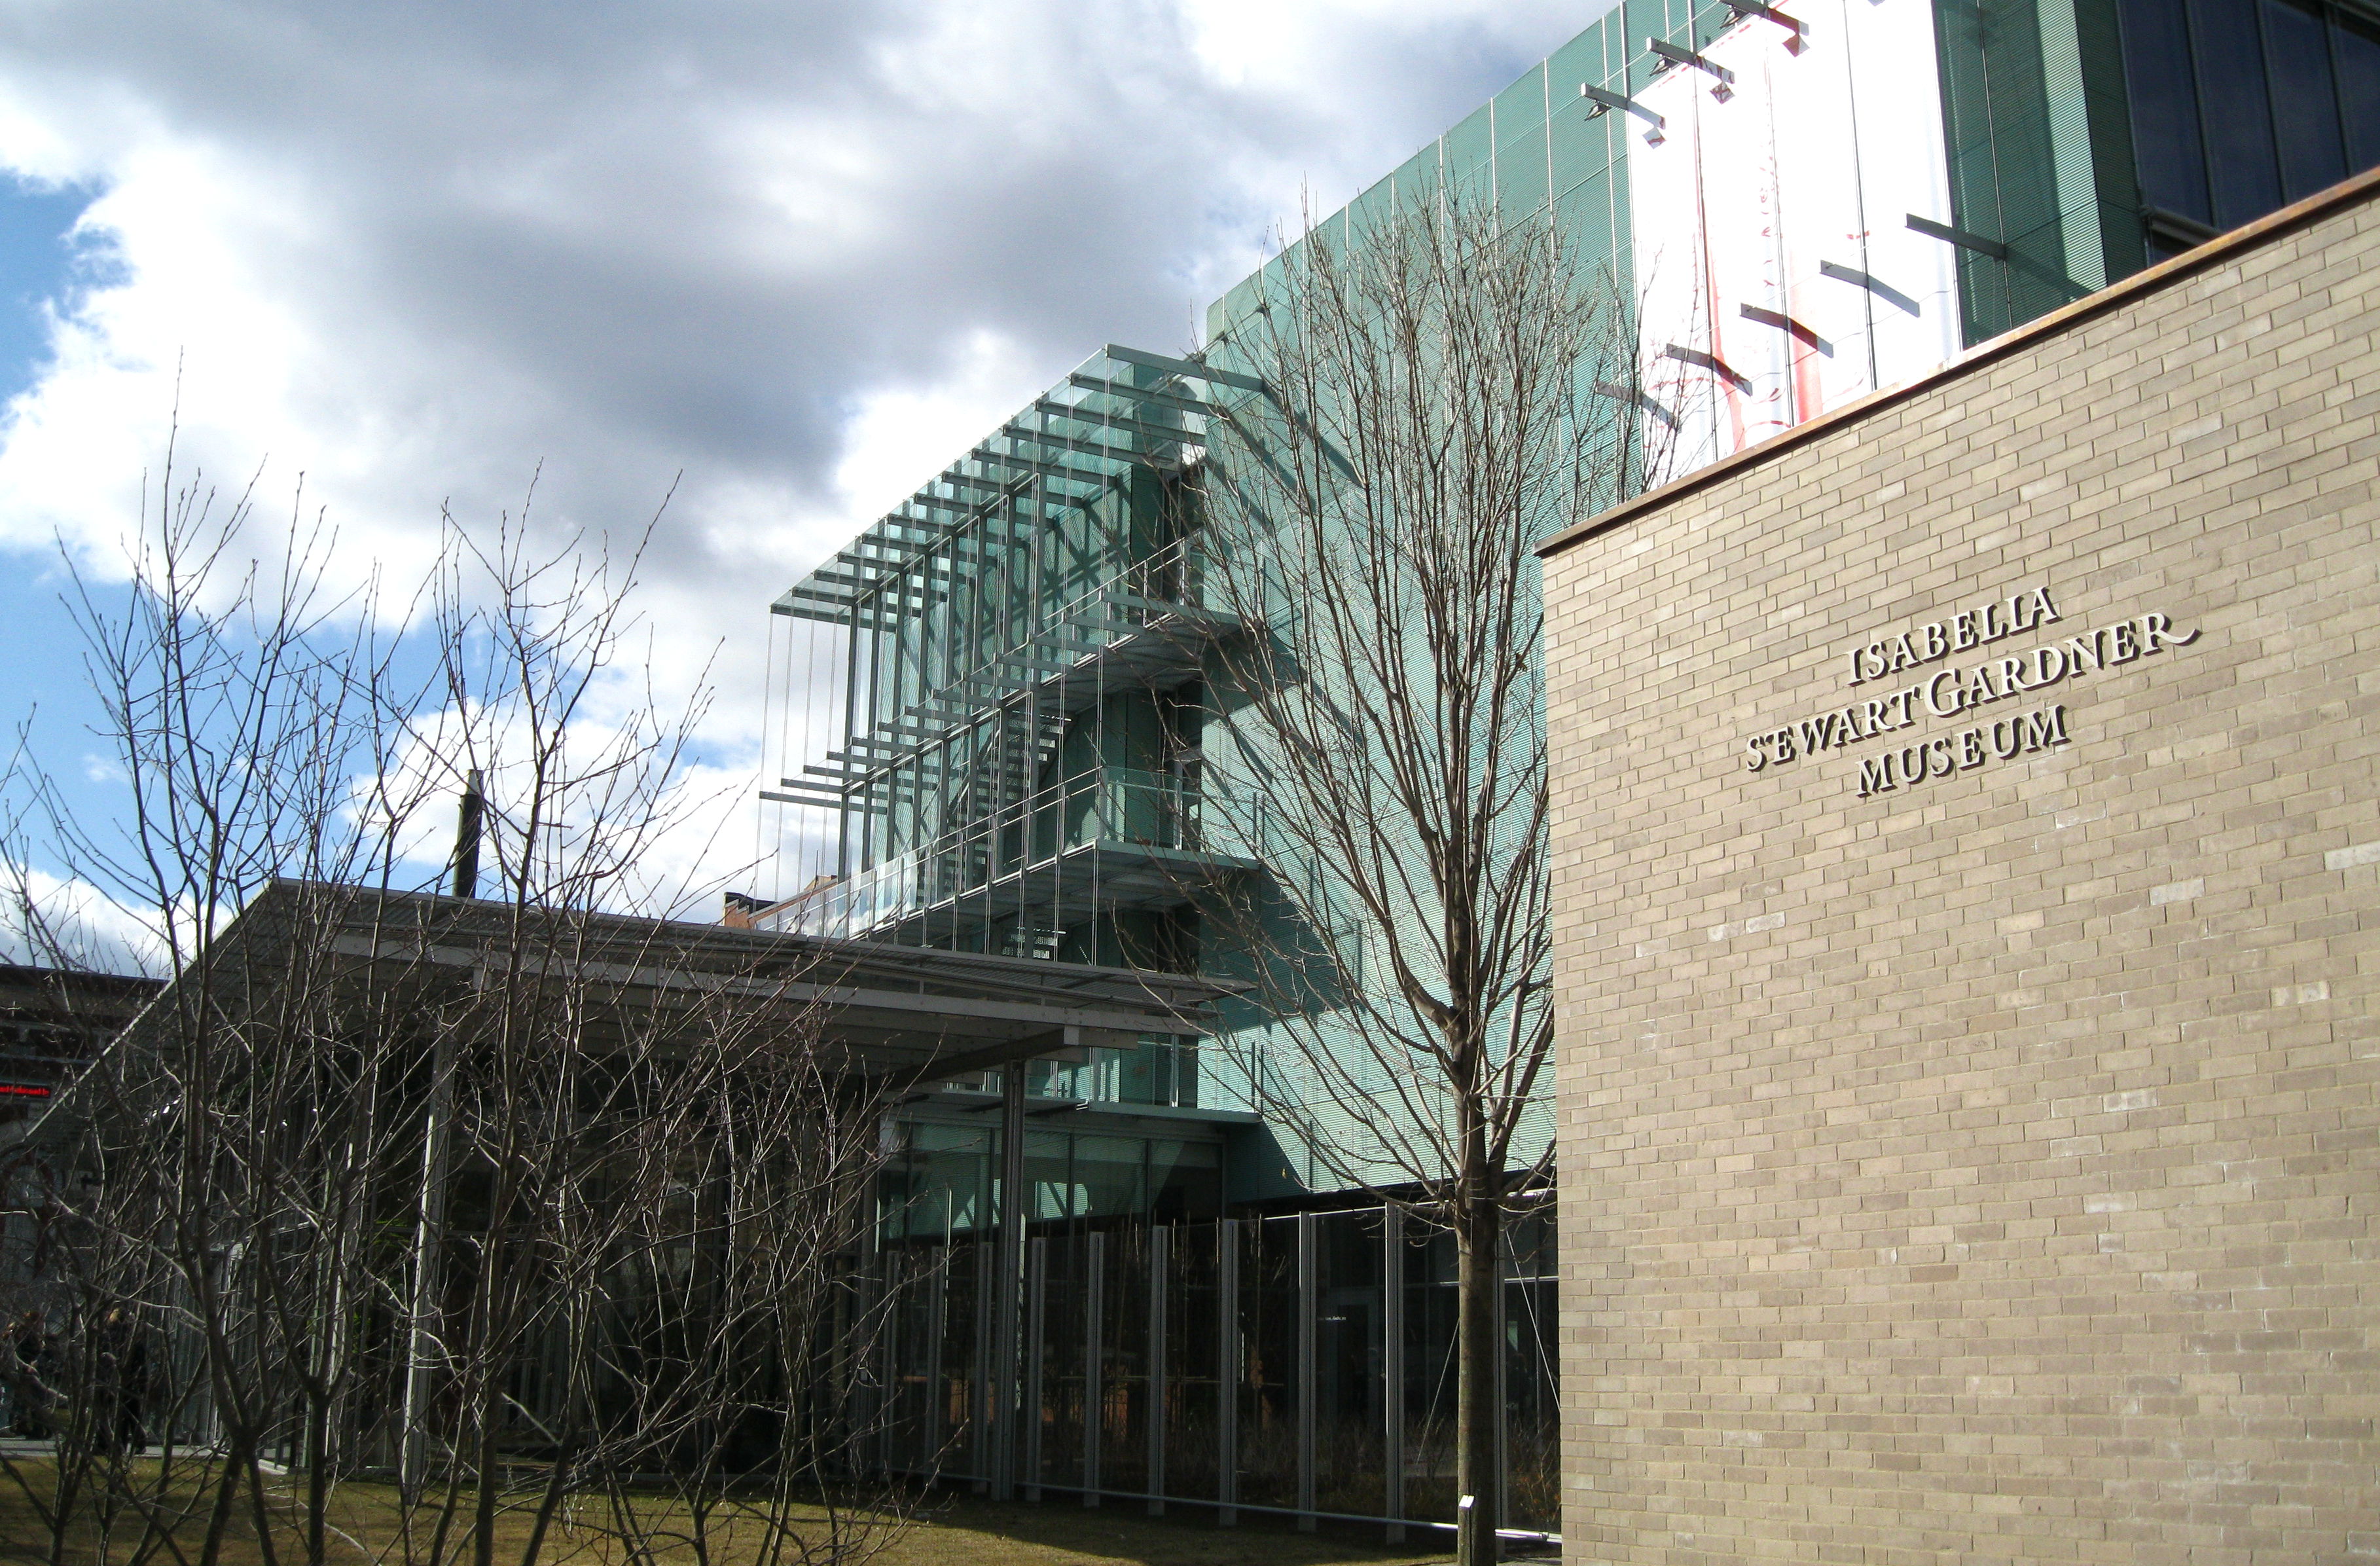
pixel 1961 689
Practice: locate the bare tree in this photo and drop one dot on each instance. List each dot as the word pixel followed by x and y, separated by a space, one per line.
pixel 1439 391
pixel 529 1196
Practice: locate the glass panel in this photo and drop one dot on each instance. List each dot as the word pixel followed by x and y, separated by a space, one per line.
pixel 1124 1376
pixel 1186 1180
pixel 2305 105
pixel 2157 71
pixel 1532 1385
pixel 1469 157
pixel 1108 1175
pixel 1583 142
pixel 1189 1396
pixel 1520 108
pixel 1064 1322
pixel 1047 1176
pixel 1580 59
pixel 1429 1372
pixel 2355 46
pixel 1349 1411
pixel 1521 175
pixel 2244 179
pixel 940 1185
pixel 1267 1391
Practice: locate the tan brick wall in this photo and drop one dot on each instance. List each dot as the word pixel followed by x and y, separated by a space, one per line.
pixel 1987 1168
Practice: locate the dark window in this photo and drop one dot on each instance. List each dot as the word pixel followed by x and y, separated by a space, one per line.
pixel 2305 105
pixel 2357 53
pixel 2157 71
pixel 2241 169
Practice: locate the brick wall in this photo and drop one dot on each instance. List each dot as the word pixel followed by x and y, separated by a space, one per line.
pixel 1988 1168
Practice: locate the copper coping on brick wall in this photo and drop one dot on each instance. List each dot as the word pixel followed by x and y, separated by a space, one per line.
pixel 2363 187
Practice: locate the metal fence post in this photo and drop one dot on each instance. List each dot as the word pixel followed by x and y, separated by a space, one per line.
pixel 1037 1287
pixel 982 1439
pixel 1503 1393
pixel 1392 1367
pixel 1160 1245
pixel 1227 1371
pixel 937 1308
pixel 1001 1367
pixel 1306 1379
pixel 1096 1249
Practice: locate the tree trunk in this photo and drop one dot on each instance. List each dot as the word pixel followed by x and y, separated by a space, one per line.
pixel 1477 1416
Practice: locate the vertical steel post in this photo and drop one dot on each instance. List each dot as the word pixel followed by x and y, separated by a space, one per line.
pixel 1160 1245
pixel 1001 1376
pixel 1306 1379
pixel 1503 1395
pixel 979 1399
pixel 1038 1291
pixel 1227 1371
pixel 1392 1367
pixel 937 1306
pixel 1095 1247
pixel 429 1273
pixel 876 1368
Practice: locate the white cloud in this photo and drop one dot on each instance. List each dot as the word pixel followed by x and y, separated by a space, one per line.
pixel 800 253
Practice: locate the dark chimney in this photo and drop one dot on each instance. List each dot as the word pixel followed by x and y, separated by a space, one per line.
pixel 467 839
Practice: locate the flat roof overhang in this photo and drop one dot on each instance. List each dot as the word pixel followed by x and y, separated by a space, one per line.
pixel 896 1014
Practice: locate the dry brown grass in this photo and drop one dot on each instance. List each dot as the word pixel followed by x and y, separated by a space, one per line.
pixel 950 1530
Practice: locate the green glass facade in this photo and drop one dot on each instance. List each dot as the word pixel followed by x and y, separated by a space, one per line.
pixel 1017 736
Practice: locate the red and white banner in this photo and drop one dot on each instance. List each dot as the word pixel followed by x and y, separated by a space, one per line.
pixel 1779 275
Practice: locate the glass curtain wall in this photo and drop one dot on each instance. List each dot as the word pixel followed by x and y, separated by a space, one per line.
pixel 2241 106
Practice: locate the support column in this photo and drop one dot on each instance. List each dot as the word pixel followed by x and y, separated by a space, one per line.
pixel 1307 1380
pixel 1227 1371
pixel 1095 1251
pixel 1392 1367
pixel 1002 1364
pixel 1160 1246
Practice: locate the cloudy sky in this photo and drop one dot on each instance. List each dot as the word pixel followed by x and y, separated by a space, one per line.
pixel 790 257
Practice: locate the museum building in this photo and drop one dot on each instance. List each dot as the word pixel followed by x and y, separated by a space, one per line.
pixel 1132 1278
pixel 1968 875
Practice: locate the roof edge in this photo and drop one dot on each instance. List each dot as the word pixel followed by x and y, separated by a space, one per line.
pixel 2273 225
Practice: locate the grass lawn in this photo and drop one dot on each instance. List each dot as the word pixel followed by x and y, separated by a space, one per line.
pixel 951 1530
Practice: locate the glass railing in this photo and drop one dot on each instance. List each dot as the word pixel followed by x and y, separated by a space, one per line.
pixel 1118 805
